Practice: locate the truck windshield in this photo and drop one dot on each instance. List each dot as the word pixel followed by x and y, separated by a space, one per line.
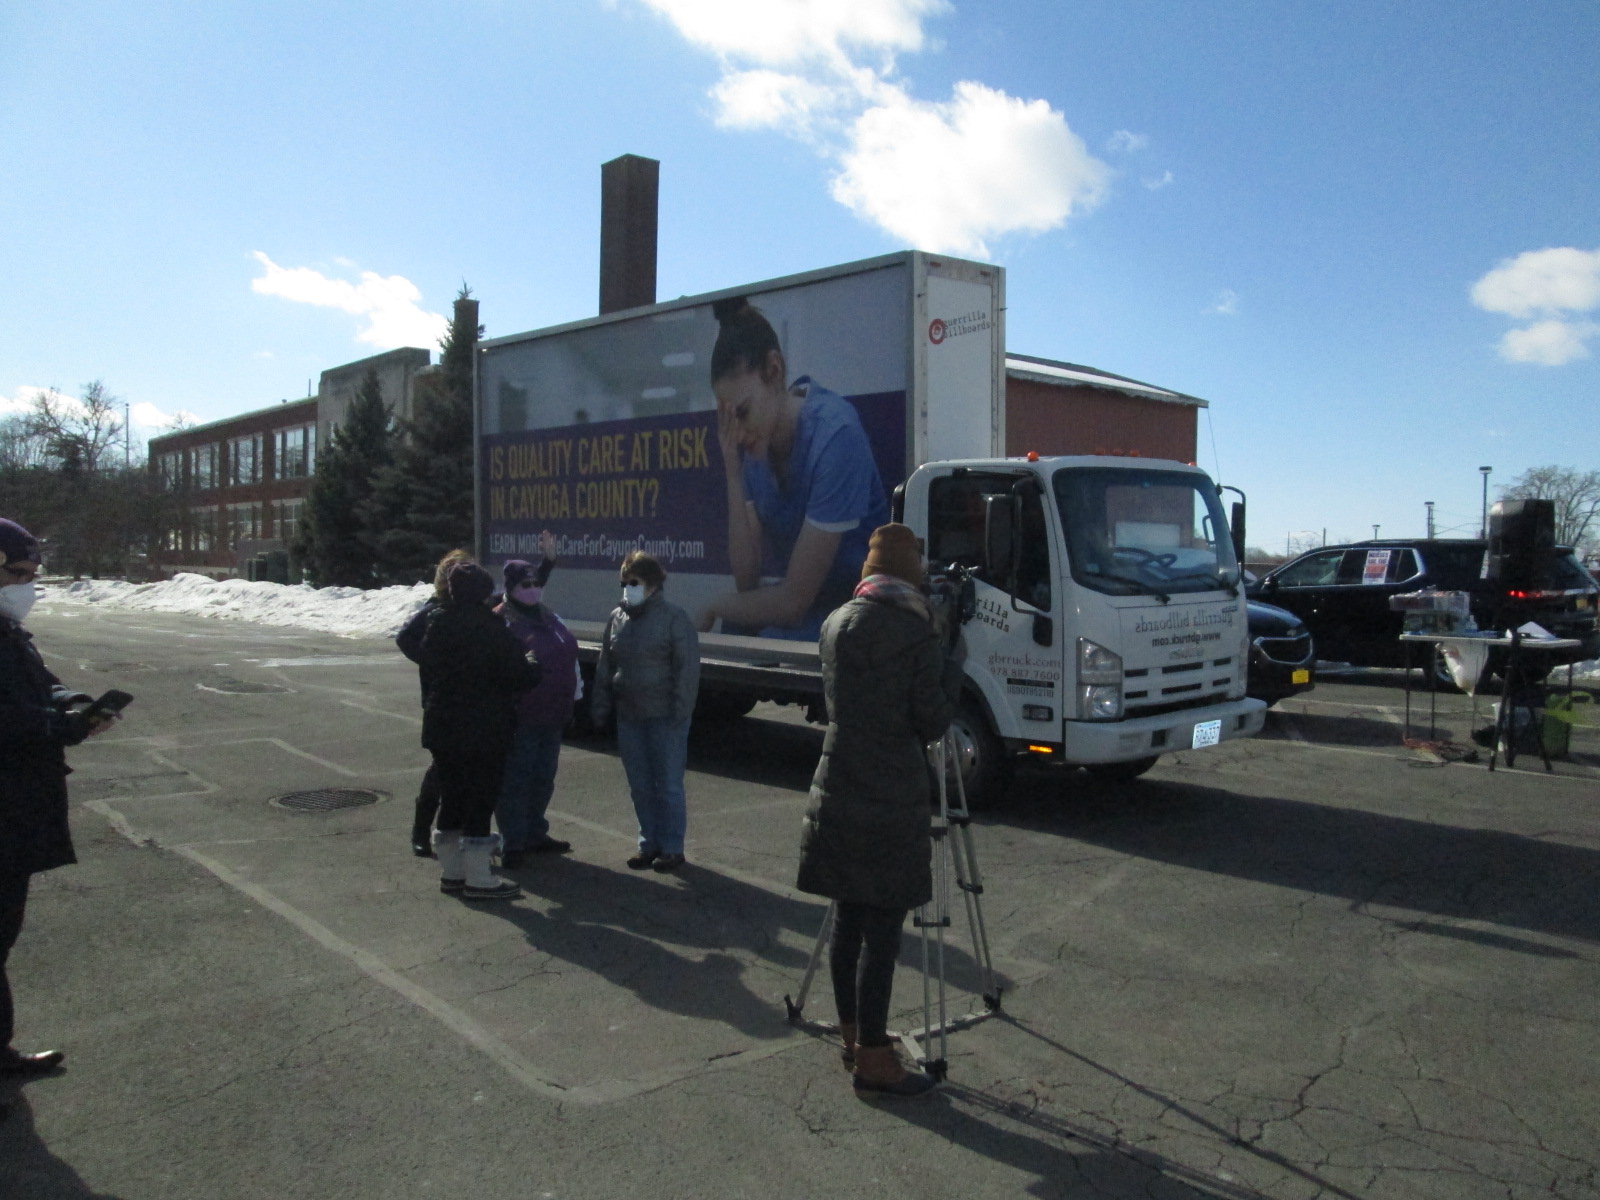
pixel 1137 532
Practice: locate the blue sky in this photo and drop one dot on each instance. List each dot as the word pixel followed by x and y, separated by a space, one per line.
pixel 1367 232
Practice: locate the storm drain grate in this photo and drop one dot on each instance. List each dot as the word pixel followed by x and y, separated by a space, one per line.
pixel 328 799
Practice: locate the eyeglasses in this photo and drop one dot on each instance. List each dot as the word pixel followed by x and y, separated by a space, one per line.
pixel 633 583
pixel 26 574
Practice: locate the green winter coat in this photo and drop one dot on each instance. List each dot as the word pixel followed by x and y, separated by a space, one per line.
pixel 890 691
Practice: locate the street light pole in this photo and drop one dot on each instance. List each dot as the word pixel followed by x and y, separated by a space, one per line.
pixel 1429 503
pixel 1375 529
pixel 1483 528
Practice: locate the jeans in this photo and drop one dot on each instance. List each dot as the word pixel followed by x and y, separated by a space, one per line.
pixel 427 806
pixel 654 754
pixel 530 780
pixel 862 982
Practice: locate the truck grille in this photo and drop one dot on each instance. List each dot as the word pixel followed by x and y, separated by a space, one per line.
pixel 1289 651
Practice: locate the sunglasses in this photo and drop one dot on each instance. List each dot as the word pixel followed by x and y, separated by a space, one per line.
pixel 25 574
pixel 633 583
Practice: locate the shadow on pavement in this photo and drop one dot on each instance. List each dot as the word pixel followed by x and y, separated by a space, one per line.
pixel 28 1171
pixel 1363 857
pixel 683 943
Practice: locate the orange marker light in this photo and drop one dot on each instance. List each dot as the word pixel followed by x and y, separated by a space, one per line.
pixel 1033 456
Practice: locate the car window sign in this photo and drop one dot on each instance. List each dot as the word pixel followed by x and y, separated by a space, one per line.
pixel 1376 569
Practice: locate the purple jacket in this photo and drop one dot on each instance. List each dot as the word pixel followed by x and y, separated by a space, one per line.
pixel 540 630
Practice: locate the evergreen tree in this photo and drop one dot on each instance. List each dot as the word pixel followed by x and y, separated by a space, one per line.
pixel 422 507
pixel 334 543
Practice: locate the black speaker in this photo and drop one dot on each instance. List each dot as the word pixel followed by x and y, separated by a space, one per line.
pixel 1522 539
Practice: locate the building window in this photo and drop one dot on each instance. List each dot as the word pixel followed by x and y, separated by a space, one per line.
pixel 288 515
pixel 203 470
pixel 172 470
pixel 244 459
pixel 297 452
pixel 202 529
pixel 244 522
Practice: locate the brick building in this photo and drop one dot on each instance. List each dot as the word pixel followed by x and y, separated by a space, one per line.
pixel 246 479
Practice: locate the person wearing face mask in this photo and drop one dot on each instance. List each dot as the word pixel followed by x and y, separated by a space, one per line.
pixel 542 713
pixel 803 488
pixel 866 842
pixel 38 719
pixel 649 675
pixel 473 672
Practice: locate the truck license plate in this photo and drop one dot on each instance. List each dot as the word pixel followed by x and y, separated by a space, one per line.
pixel 1303 675
pixel 1207 733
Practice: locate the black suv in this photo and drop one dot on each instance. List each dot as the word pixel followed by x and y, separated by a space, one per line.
pixel 1342 594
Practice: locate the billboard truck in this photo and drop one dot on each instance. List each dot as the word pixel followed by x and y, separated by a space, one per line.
pixel 752 439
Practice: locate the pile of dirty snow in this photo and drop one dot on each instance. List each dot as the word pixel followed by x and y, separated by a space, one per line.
pixel 350 612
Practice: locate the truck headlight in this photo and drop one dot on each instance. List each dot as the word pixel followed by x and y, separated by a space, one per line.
pixel 1099 682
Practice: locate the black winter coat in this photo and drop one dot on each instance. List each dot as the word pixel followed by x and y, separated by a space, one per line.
pixel 473 669
pixel 890 691
pixel 35 728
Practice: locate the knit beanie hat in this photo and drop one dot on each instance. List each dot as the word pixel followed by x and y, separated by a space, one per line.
pixel 17 544
pixel 468 583
pixel 517 571
pixel 893 550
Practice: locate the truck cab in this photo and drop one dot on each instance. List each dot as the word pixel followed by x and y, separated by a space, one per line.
pixel 1109 623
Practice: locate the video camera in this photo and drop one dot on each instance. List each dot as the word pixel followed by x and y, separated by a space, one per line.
pixel 953 596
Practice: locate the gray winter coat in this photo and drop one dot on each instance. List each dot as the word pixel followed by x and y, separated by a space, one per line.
pixel 890 691
pixel 649 664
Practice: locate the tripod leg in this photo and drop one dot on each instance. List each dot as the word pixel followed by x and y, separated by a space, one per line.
pixel 970 880
pixel 797 1007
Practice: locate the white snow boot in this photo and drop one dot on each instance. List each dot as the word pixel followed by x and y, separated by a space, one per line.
pixel 482 882
pixel 452 870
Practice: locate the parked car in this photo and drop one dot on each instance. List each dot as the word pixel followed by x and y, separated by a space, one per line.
pixel 1283 657
pixel 1342 594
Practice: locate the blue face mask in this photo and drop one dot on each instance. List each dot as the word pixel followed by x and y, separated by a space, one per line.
pixel 17 600
pixel 527 593
pixel 633 594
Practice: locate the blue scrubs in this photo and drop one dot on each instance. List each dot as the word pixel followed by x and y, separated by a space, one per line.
pixel 833 483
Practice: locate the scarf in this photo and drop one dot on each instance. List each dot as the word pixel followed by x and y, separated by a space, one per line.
pixel 891 589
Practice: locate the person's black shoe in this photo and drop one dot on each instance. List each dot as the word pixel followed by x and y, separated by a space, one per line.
pixel 510 860
pixel 42 1063
pixel 421 849
pixel 643 860
pixel 551 845
pixel 667 862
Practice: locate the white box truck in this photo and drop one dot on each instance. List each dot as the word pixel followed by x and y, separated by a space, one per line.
pixel 1109 624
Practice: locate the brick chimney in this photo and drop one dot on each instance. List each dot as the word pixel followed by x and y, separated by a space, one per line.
pixel 629 190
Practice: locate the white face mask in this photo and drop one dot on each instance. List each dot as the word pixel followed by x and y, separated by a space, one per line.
pixel 17 599
pixel 633 595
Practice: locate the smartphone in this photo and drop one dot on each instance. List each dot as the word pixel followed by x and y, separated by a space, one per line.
pixel 108 705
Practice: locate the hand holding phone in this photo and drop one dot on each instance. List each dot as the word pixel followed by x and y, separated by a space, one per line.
pixel 106 708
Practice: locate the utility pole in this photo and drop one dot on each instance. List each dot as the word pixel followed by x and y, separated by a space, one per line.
pixel 1429 503
pixel 127 437
pixel 1483 528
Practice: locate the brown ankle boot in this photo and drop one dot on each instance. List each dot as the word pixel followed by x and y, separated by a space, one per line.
pixel 878 1071
pixel 847 1032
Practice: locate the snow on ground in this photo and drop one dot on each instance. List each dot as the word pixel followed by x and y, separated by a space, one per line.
pixel 349 612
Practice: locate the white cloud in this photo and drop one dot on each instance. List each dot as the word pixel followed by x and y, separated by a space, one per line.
pixel 21 401
pixel 1156 183
pixel 147 416
pixel 1125 142
pixel 944 176
pixel 1226 303
pixel 948 176
pixel 1541 281
pixel 1551 343
pixel 1548 284
pixel 391 304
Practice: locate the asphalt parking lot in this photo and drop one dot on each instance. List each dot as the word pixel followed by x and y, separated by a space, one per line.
pixel 1319 963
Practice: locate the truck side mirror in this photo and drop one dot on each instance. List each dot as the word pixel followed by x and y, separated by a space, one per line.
pixel 1236 527
pixel 999 540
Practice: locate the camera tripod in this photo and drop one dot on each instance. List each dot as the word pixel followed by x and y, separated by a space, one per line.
pixel 954 861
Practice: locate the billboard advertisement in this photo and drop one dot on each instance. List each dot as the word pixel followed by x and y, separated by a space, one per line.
pixel 750 445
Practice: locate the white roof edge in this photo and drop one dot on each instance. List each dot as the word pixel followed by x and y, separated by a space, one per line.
pixel 1022 368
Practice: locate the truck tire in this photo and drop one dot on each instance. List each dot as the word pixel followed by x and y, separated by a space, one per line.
pixel 981 756
pixel 1121 772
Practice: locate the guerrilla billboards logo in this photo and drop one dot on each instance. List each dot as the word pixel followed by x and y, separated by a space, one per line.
pixel 1187 628
pixel 941 330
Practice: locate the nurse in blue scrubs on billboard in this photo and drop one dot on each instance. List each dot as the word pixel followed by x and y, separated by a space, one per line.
pixel 804 494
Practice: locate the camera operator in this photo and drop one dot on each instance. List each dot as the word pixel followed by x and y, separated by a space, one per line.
pixel 891 689
pixel 37 721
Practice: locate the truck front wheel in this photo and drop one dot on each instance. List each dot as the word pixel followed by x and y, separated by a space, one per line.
pixel 980 756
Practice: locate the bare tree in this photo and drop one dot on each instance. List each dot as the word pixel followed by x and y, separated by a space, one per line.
pixel 20 447
pixel 78 432
pixel 1576 495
